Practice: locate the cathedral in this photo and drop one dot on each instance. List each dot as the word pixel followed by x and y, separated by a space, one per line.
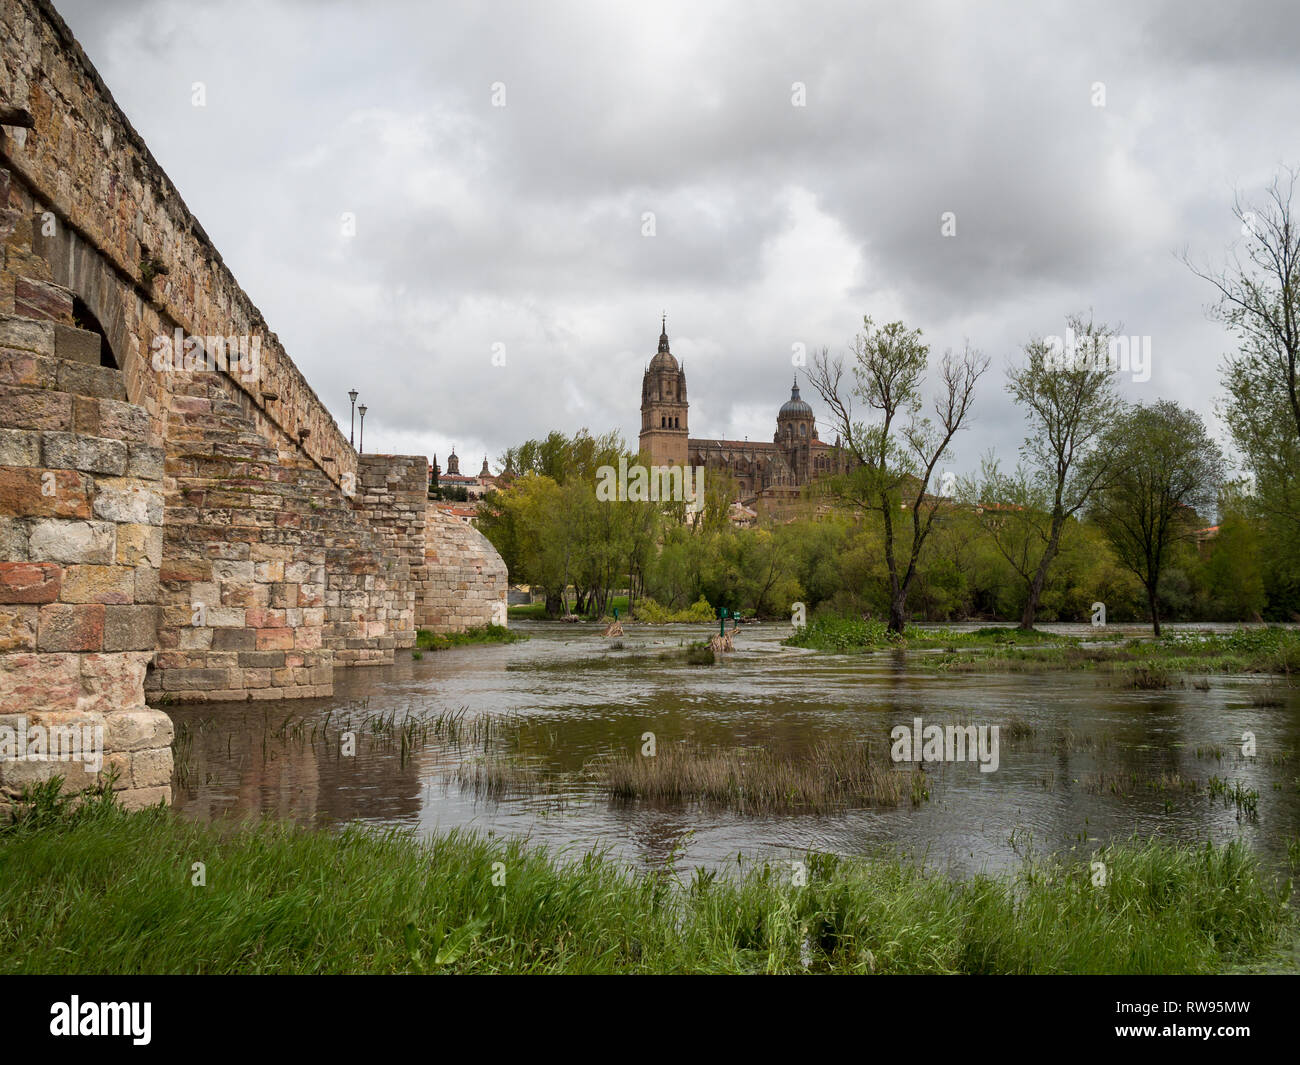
pixel 763 472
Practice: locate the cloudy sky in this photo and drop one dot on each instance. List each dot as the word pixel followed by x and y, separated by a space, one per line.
pixel 774 225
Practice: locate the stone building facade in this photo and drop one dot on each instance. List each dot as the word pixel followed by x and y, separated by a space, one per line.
pixel 762 471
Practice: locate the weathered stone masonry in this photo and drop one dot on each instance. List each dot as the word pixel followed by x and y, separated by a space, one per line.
pixel 202 535
pixel 463 580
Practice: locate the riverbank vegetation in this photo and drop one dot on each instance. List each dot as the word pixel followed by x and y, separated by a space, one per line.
pixel 1269 649
pixel 101 891
pixel 832 561
pixel 429 641
pixel 1130 508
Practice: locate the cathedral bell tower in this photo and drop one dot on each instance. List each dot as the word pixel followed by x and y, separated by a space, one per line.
pixel 663 407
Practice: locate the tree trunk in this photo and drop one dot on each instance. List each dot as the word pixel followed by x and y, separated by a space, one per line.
pixel 898 612
pixel 1152 600
pixel 552 604
pixel 1031 603
pixel 1040 577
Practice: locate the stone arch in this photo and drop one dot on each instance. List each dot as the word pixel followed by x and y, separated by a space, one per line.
pixel 84 318
pixel 100 293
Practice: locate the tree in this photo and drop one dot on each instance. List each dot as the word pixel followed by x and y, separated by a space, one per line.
pixel 555 532
pixel 1068 407
pixel 1165 470
pixel 526 525
pixel 897 454
pixel 1259 299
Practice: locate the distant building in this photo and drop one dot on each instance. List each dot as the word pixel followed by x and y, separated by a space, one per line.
pixel 475 487
pixel 767 473
pixel 462 512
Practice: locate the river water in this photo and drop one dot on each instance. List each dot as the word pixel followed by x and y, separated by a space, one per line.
pixel 1093 762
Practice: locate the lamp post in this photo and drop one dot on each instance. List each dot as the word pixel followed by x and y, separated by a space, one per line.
pixel 352 395
pixel 362 410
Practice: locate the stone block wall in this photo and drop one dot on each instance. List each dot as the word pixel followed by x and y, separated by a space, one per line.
pixel 208 534
pixel 81 546
pixel 393 495
pixel 463 583
pixel 108 199
pixel 244 556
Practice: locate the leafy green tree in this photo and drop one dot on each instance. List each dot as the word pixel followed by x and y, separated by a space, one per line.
pixel 1233 575
pixel 1165 471
pixel 526 525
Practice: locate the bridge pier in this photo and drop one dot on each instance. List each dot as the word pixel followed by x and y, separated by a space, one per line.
pixel 171 533
pixel 80 549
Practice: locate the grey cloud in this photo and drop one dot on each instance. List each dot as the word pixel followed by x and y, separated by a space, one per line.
pixel 521 225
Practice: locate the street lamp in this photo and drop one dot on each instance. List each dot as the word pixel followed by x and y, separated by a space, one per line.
pixel 362 410
pixel 352 395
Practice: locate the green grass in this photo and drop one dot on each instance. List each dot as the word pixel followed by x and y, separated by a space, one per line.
pixel 1147 663
pixel 428 641
pixel 530 611
pixel 849 635
pixel 698 613
pixel 101 891
pixel 537 611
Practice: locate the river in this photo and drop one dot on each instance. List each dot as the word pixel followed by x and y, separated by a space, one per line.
pixel 1094 763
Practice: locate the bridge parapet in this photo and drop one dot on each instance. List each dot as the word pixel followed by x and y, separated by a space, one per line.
pixel 97 184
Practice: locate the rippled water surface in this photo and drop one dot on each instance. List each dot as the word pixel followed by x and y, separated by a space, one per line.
pixel 1090 770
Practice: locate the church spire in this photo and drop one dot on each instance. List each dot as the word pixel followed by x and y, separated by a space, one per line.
pixel 663 335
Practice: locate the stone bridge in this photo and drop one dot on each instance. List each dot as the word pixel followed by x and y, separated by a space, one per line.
pixel 179 521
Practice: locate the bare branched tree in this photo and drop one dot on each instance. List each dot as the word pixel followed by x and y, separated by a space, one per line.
pixel 1259 297
pixel 897 452
pixel 1068 405
pixel 1259 301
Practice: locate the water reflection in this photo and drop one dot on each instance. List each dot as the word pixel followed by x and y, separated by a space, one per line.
pixel 1089 771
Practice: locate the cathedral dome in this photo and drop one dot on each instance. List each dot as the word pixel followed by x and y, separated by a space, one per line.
pixel 663 359
pixel 794 407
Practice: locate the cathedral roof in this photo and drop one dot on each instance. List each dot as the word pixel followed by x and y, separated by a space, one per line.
pixel 795 407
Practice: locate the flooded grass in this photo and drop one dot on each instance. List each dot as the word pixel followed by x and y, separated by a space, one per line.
pixel 1247 650
pixel 618 657
pixel 330 735
pixel 1147 678
pixel 76 888
pixel 831 776
pixel 1108 783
